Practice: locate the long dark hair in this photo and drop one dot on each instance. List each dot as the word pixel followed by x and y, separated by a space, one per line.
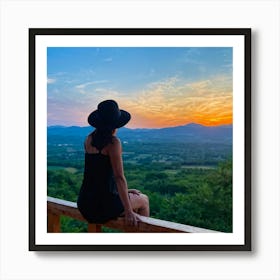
pixel 101 137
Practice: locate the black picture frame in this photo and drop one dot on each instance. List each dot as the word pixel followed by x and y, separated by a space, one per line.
pixel 244 33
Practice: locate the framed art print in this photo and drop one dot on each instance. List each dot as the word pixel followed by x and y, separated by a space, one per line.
pixel 187 146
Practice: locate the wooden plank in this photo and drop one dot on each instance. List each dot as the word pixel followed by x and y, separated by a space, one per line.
pixel 65 210
pixel 146 224
pixel 53 222
pixel 94 228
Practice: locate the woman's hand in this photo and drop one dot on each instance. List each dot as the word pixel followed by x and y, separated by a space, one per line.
pixel 131 218
pixel 134 191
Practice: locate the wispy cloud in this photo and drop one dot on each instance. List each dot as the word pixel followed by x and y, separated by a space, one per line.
pixel 192 56
pixel 81 87
pixel 108 59
pixel 91 83
pixel 51 81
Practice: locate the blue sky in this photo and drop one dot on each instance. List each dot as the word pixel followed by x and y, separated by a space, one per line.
pixel 158 86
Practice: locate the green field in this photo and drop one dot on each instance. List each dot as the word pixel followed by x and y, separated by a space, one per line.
pixel 69 169
pixel 188 188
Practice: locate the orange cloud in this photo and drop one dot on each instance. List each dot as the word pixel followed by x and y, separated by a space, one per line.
pixel 172 103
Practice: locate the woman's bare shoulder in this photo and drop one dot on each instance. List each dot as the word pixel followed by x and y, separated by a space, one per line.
pixel 116 140
pixel 88 138
pixel 115 146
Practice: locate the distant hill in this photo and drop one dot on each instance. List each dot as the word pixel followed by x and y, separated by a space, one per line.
pixel 190 133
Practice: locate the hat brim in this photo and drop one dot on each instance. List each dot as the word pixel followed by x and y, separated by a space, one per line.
pixel 95 120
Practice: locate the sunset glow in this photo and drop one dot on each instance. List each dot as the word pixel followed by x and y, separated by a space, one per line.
pixel 160 87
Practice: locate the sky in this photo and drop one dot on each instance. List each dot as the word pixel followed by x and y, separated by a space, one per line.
pixel 159 86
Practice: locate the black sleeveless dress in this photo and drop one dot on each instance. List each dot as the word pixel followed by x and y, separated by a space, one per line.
pixel 98 200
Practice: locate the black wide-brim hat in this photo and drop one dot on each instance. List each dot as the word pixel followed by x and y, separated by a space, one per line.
pixel 108 115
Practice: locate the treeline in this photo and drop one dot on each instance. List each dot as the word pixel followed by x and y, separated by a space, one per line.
pixel 199 197
pixel 142 153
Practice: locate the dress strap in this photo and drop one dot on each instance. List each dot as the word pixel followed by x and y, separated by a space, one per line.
pixel 85 147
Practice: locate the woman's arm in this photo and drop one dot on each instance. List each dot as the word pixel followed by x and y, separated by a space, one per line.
pixel 115 154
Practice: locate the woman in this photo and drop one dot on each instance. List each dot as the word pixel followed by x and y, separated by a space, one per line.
pixel 104 194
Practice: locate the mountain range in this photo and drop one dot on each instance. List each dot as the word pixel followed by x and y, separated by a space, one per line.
pixel 190 133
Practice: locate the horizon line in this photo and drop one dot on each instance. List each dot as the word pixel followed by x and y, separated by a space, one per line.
pixel 191 123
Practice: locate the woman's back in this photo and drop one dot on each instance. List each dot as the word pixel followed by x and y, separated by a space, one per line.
pixel 97 172
pixel 98 198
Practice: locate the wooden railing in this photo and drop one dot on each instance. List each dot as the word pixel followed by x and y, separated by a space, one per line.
pixel 59 207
